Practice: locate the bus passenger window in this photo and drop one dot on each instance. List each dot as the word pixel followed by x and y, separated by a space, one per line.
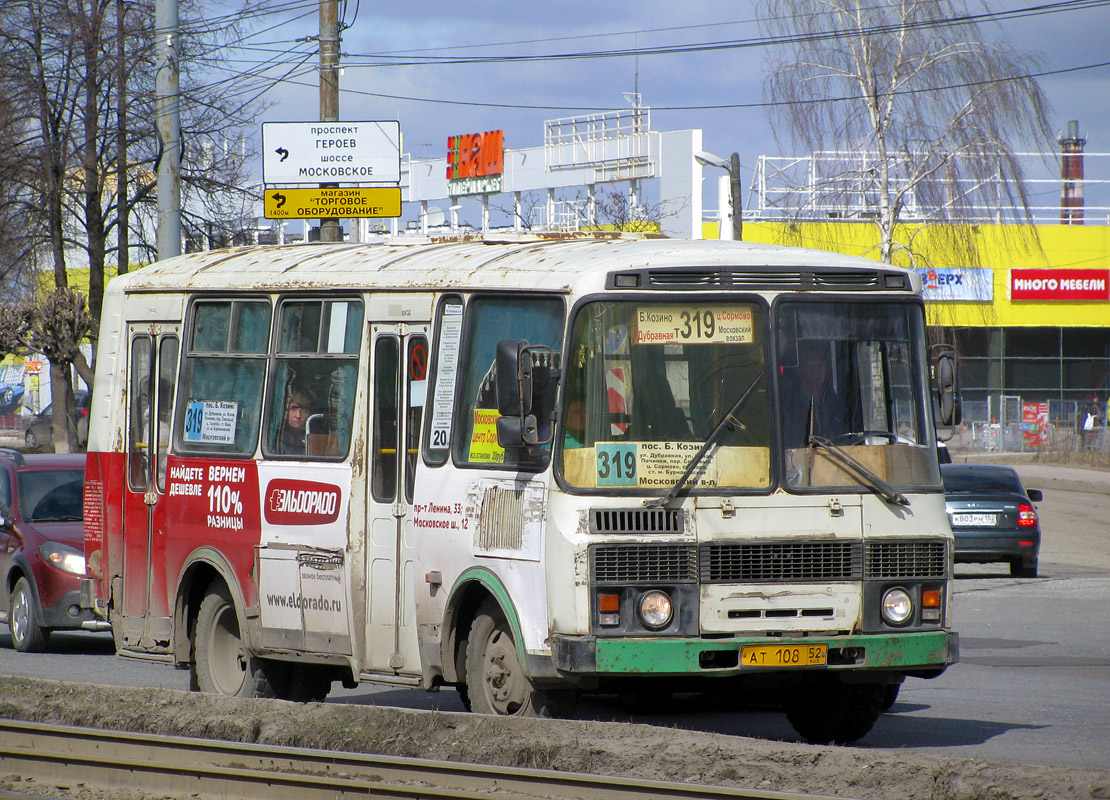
pixel 224 371
pixel 314 373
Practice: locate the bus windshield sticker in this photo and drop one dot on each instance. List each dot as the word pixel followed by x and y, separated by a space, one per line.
pixel 447 371
pixel 211 422
pixel 694 325
pixel 483 442
pixel 650 465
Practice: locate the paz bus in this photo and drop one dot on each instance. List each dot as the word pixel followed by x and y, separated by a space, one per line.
pixel 527 469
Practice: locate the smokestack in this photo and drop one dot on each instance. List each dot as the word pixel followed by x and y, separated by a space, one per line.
pixel 1071 173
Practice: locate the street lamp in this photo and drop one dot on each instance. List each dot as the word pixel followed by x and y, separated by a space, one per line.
pixel 728 193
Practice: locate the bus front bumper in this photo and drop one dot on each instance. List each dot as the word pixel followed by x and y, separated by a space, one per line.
pixel 926 654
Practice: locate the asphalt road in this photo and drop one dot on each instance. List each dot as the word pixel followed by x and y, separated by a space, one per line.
pixel 1032 685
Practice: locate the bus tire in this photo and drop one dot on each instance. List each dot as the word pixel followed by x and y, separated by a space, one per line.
pixel 495 679
pixel 220 661
pixel 307 683
pixel 28 636
pixel 835 713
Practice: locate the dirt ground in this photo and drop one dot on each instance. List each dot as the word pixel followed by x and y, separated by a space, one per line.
pixel 639 751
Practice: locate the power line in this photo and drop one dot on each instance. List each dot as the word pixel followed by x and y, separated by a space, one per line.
pixel 714 107
pixel 733 44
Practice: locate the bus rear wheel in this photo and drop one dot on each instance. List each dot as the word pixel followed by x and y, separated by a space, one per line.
pixel 220 661
pixel 495 679
pixel 832 712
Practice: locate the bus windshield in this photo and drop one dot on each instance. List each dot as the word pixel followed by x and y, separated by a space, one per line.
pixel 851 388
pixel 648 382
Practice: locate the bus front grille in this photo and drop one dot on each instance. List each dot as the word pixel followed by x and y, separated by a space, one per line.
pixel 756 562
pixel 636 520
pixel 781 562
pixel 644 563
pixel 907 560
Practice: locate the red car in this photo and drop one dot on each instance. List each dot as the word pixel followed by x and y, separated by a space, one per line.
pixel 42 555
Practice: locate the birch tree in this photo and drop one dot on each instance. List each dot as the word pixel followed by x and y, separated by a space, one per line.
pixel 923 112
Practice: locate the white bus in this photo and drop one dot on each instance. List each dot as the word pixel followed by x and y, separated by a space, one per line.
pixel 527 469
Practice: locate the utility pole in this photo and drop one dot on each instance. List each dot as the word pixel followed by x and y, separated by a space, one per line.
pixel 123 242
pixel 734 192
pixel 168 113
pixel 330 230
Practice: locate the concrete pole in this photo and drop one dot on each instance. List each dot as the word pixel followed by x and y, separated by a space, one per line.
pixel 734 191
pixel 725 212
pixel 168 115
pixel 330 230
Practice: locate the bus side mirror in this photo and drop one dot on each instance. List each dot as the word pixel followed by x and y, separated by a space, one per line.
pixel 516 426
pixel 945 385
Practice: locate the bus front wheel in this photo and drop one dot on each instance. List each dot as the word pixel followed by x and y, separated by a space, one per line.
pixel 495 679
pixel 833 712
pixel 221 664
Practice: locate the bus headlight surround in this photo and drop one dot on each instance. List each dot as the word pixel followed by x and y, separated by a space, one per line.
pixel 897 607
pixel 656 609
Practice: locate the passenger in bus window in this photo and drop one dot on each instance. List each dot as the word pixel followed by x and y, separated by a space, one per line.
pixel 575 428
pixel 811 401
pixel 299 406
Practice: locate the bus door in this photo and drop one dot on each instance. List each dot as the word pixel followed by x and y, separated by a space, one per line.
pixel 398 377
pixel 152 372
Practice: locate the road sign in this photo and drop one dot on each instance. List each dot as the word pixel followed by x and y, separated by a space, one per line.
pixel 331 152
pixel 318 203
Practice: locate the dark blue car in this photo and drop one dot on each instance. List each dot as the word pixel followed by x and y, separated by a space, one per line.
pixel 992 516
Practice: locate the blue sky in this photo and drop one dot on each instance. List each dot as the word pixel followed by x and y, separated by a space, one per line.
pixel 717 90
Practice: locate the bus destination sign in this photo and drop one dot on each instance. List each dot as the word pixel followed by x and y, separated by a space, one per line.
pixel 323 203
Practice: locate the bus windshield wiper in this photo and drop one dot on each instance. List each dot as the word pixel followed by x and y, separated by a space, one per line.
pixel 869 478
pixel 728 421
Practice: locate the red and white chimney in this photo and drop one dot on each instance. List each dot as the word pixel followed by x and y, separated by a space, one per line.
pixel 1071 173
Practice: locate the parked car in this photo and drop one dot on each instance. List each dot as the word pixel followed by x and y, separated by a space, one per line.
pixel 38 430
pixel 992 516
pixel 42 547
pixel 11 397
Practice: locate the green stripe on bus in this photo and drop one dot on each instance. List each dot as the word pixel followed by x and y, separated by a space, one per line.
pixel 683 656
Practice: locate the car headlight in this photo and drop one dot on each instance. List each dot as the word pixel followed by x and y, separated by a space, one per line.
pixel 656 609
pixel 64 557
pixel 897 607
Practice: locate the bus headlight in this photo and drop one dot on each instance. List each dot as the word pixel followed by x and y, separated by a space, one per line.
pixel 897 607
pixel 656 610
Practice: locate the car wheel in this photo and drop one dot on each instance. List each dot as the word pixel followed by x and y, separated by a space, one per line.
pixel 495 678
pixel 1023 569
pixel 27 635
pixel 220 661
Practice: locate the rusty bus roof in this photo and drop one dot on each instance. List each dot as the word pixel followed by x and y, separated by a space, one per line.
pixel 551 264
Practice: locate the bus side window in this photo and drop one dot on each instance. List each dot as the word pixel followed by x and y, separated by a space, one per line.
pixel 539 320
pixel 314 372
pixel 224 371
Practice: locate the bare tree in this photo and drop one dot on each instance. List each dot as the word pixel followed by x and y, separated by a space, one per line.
pixel 620 210
pixel 918 107
pixel 83 156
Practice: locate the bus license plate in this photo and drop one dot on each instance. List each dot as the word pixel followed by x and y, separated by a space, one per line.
pixel 776 655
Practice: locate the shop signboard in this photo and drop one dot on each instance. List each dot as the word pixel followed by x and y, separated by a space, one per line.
pixel 1060 284
pixel 968 284
pixel 475 162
